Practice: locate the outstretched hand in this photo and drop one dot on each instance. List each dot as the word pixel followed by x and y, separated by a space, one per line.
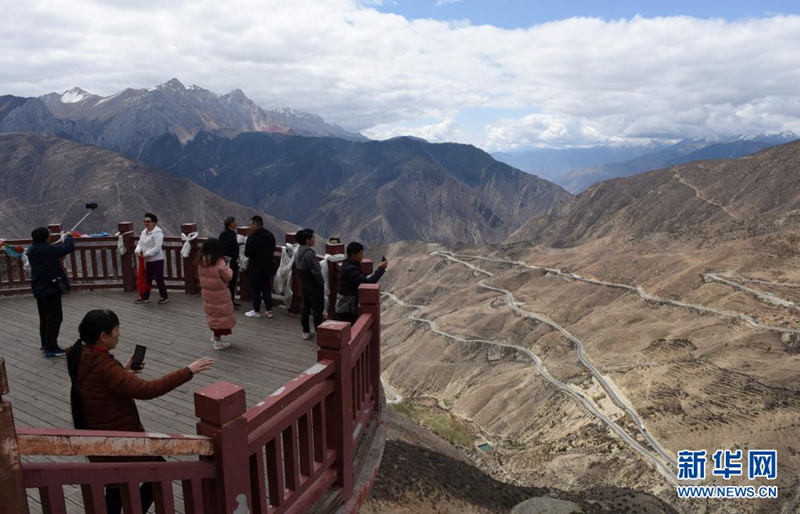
pixel 384 264
pixel 201 364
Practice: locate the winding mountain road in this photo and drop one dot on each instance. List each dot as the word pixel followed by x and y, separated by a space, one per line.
pixel 578 395
pixel 635 289
pixel 725 277
pixel 606 383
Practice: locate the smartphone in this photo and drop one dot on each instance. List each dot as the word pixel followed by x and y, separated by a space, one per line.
pixel 138 357
pixel 383 258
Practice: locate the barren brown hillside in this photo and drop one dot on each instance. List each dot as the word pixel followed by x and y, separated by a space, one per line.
pixel 45 179
pixel 684 347
pixel 678 200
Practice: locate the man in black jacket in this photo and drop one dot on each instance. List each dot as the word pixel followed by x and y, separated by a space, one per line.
pixel 46 279
pixel 349 280
pixel 259 249
pixel 230 249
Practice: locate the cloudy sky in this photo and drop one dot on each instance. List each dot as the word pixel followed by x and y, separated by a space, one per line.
pixel 501 74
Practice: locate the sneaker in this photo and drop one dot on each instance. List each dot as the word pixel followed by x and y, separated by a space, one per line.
pixel 308 335
pixel 142 300
pixel 163 301
pixel 236 305
pixel 269 314
pixel 56 353
pixel 252 314
pixel 221 345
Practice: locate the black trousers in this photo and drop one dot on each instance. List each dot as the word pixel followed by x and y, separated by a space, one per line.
pixel 114 496
pixel 261 288
pixel 234 281
pixel 313 300
pixel 50 317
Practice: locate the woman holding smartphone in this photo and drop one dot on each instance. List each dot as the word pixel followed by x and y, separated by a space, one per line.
pixel 103 390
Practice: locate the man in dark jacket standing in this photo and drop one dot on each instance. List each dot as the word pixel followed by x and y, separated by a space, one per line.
pixel 313 283
pixel 259 249
pixel 46 280
pixel 349 280
pixel 230 249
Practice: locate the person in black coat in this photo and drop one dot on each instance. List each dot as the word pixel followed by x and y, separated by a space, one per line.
pixel 259 249
pixel 230 249
pixel 47 277
pixel 349 280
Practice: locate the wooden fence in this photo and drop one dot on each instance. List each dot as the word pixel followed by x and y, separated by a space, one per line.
pixel 280 456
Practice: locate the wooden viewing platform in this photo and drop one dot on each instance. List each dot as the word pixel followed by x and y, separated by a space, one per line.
pixel 310 432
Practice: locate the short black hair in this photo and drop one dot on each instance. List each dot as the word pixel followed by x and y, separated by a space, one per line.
pixel 258 220
pixel 40 235
pixel 353 248
pixel 151 216
pixel 303 236
pixel 229 220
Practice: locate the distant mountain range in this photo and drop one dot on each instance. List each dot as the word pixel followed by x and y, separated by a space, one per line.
pixel 130 120
pixel 721 196
pixel 45 179
pixel 293 165
pixel 377 191
pixel 575 169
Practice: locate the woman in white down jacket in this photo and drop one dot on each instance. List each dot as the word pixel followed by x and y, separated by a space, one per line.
pixel 150 247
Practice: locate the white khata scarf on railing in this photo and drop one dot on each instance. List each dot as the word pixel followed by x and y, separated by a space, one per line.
pixel 187 239
pixel 241 240
pixel 325 268
pixel 283 278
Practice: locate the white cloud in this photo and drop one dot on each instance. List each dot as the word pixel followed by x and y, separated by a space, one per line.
pixel 440 3
pixel 580 79
pixel 446 130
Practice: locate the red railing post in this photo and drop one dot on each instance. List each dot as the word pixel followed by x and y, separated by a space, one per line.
pixel 127 261
pixel 12 493
pixel 333 276
pixel 369 300
pixel 245 293
pixel 297 284
pixel 191 283
pixel 220 407
pixel 333 338
pixel 55 231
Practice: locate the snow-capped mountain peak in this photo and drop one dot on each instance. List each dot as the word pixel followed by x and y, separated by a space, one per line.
pixel 74 95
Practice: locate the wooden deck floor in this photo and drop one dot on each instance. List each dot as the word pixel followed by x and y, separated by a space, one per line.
pixel 266 353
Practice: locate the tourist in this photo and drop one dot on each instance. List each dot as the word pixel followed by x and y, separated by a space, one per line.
pixel 103 391
pixel 313 284
pixel 150 247
pixel 259 250
pixel 47 281
pixel 349 280
pixel 215 275
pixel 230 249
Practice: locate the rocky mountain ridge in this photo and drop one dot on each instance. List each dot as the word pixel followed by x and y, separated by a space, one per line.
pixel 377 191
pixel 45 179
pixel 700 197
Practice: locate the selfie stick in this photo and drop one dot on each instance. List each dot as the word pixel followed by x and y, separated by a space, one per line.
pixel 91 207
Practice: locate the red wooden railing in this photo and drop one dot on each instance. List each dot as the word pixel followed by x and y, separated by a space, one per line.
pixel 97 264
pixel 280 456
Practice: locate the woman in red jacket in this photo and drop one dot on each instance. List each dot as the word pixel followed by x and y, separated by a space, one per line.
pixel 215 274
pixel 103 391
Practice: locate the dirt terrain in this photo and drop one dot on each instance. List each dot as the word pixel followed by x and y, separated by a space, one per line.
pixel 591 367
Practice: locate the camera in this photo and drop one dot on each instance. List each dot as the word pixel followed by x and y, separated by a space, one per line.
pixel 92 205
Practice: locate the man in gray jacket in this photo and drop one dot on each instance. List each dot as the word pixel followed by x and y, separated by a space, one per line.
pixel 313 284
